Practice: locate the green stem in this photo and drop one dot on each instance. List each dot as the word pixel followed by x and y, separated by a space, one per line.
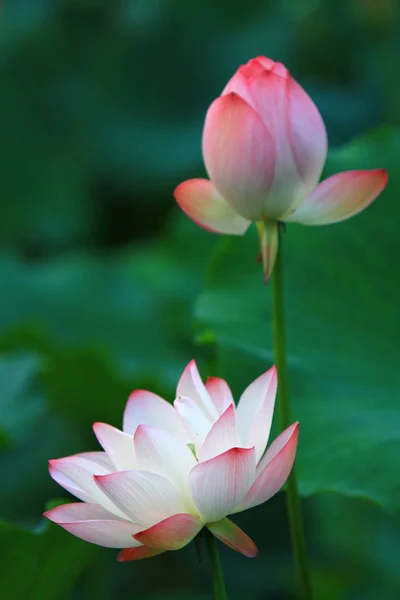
pixel 292 496
pixel 217 575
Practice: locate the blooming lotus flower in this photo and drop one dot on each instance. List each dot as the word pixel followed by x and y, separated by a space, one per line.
pixel 264 147
pixel 175 469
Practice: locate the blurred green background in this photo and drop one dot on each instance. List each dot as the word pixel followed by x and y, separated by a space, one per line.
pixel 106 287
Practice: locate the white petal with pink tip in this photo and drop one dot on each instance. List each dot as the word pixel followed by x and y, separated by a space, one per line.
pixel 190 385
pixel 222 436
pixel 219 484
pixel 199 199
pixel 220 393
pixel 92 523
pixel 117 444
pixel 255 411
pixel 80 473
pixel 159 452
pixel 172 533
pixel 274 469
pixel 196 421
pixel 92 462
pixel 146 408
pixel 144 497
pixel 340 197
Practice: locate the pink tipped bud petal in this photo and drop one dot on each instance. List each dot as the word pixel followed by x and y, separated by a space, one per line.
pixel 340 197
pixel 265 62
pixel 255 67
pixel 239 156
pixel 307 135
pixel 199 199
pixel 299 138
pixel 238 85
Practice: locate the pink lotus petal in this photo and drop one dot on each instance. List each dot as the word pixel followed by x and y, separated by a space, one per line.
pixel 255 411
pixel 307 135
pixel 63 477
pixel 274 468
pixel 191 386
pixel 146 408
pixel 220 393
pixel 278 444
pixel 256 67
pixel 199 199
pixel 159 452
pixel 238 85
pixel 269 242
pixel 270 93
pixel 279 69
pixel 80 511
pixel 219 484
pixel 239 155
pixel 340 197
pixel 92 523
pixel 144 497
pixel 75 474
pixel 172 533
pixel 91 461
pixel 223 436
pixel 138 553
pixel 267 63
pixel 196 420
pixel 231 535
pixel 117 444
